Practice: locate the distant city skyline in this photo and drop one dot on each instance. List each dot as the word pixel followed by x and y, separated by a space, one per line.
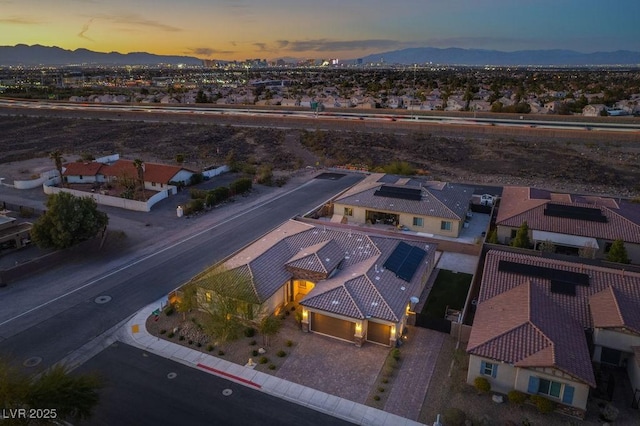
pixel 342 29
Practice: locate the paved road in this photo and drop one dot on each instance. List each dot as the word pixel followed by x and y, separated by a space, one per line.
pixel 139 392
pixel 51 319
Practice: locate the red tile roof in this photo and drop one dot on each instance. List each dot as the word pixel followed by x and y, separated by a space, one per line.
pixel 522 204
pixel 159 173
pixel 523 327
pixel 612 308
pixel 82 169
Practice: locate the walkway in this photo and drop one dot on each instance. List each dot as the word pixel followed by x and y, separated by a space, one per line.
pixel 419 356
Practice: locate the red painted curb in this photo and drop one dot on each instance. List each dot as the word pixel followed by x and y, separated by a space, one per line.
pixel 222 373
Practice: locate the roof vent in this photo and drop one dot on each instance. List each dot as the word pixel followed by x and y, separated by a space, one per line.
pixel 335 302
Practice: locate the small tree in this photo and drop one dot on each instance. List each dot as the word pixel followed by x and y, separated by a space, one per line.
pixel 187 300
pixel 522 237
pixel 588 251
pixel 68 221
pixel 493 237
pixel 547 246
pixel 618 252
pixel 268 327
pixel 56 156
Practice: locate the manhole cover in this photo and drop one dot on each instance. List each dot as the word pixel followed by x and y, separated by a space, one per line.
pixel 172 376
pixel 102 299
pixel 227 392
pixel 32 362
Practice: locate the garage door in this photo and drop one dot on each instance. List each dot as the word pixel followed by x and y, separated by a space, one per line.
pixel 331 326
pixel 378 333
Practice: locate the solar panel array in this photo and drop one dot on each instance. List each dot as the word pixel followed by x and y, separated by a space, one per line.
pixel 403 193
pixel 562 282
pixel 574 212
pixel 404 261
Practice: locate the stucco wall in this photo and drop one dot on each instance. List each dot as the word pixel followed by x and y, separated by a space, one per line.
pixel 50 177
pixel 108 200
pixel 509 378
pixel 215 172
pixel 614 340
pixel 431 225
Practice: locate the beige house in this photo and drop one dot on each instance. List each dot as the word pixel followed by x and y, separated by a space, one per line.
pixel 422 206
pixel 573 223
pixel 533 321
pixel 351 286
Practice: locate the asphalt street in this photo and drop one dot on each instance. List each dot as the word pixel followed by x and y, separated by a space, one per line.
pixel 54 317
pixel 143 389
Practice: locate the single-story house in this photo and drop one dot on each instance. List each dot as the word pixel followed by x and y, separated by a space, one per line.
pixel 12 234
pixel 351 286
pixel 573 223
pixel 156 176
pixel 540 324
pixel 422 206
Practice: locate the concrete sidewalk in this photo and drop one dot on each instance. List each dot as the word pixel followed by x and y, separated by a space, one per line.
pixel 134 333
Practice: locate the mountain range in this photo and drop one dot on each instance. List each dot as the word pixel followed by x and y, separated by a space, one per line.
pixel 22 54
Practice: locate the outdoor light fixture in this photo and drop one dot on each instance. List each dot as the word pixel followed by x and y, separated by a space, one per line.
pixel 305 314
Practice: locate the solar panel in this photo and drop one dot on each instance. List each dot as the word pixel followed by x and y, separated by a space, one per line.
pixel 411 263
pixel 575 278
pixel 403 193
pixel 404 261
pixel 394 262
pixel 563 287
pixel 574 212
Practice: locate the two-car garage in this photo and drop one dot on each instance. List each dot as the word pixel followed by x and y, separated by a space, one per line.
pixel 345 330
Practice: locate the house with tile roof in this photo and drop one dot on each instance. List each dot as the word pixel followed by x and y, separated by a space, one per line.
pixel 571 222
pixel 157 177
pixel 437 208
pixel 541 323
pixel 353 286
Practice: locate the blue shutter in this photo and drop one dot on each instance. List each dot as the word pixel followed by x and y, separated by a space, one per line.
pixel 482 367
pixel 567 398
pixel 534 384
pixel 494 371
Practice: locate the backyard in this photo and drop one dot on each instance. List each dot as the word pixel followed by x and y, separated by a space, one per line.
pixel 449 291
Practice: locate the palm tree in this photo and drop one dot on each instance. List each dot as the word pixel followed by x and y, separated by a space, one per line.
pixel 56 156
pixel 139 165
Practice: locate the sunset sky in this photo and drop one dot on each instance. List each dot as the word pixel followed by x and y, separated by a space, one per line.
pixel 344 29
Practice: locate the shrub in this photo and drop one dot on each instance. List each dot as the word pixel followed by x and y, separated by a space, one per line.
pixel 380 389
pixel 517 397
pixel 289 343
pixel 272 367
pixel 254 352
pixel 240 186
pixel 163 331
pixel 221 352
pixel 210 348
pixel 197 193
pixel 169 311
pixel 263 360
pixel 376 397
pixel 395 354
pixel 454 417
pixel 482 385
pixel 252 343
pixel 190 342
pixel 199 344
pixel 249 332
pixel 281 353
pixel 170 335
pixel 384 380
pixel 181 338
pixel 544 405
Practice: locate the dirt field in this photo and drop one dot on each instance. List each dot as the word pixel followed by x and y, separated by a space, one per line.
pixel 605 163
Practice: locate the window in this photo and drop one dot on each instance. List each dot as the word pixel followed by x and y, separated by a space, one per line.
pixel 445 225
pixel 549 387
pixel 348 211
pixel 418 221
pixel 488 369
pixel 607 247
pixel 80 177
pixel 514 232
pixel 153 184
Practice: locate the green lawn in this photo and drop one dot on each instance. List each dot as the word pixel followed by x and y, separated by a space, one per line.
pixel 450 289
